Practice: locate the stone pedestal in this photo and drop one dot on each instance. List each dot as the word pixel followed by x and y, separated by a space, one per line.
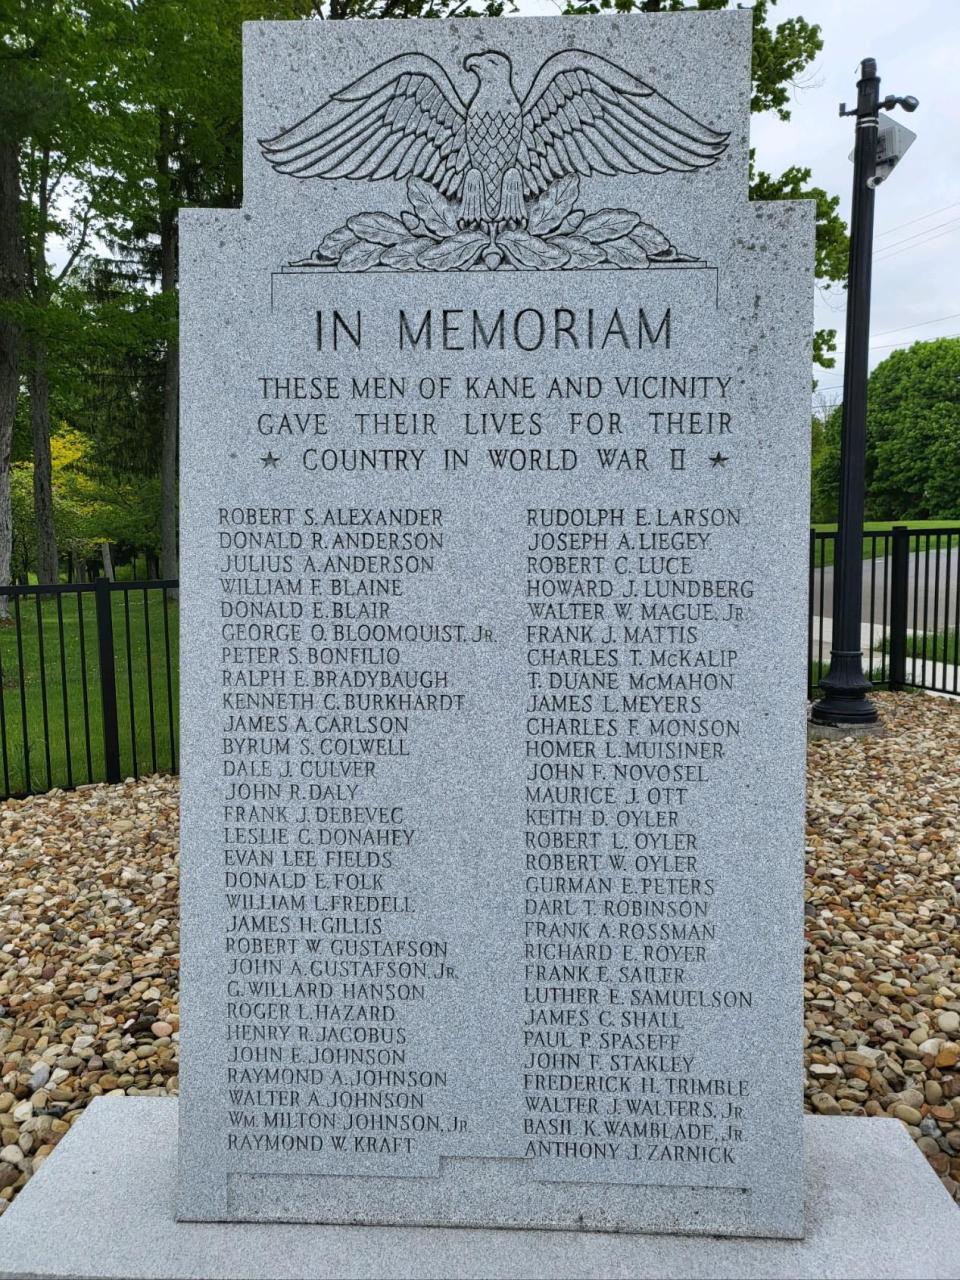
pixel 102 1207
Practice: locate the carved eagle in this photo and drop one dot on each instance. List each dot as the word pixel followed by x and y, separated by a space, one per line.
pixel 581 115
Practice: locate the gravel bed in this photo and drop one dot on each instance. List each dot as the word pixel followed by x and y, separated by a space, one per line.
pixel 89 942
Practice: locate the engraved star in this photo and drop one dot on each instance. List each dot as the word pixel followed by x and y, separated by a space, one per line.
pixel 719 460
pixel 270 459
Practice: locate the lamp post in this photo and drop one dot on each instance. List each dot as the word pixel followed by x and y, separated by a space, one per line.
pixel 845 686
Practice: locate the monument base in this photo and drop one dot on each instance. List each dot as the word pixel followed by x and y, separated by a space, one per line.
pixel 101 1208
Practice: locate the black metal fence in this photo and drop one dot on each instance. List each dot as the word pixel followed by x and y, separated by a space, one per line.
pixel 88 684
pixel 89 671
pixel 910 618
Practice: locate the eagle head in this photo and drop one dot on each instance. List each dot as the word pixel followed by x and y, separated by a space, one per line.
pixel 489 66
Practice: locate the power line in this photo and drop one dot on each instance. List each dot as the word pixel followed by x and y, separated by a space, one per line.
pixel 922 218
pixel 883 254
pixel 918 325
pixel 918 235
pixel 885 346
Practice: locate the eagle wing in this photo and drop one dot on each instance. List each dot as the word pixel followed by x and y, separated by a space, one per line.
pixel 584 114
pixel 402 119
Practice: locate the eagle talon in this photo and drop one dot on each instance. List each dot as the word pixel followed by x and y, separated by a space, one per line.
pixel 471 205
pixel 512 211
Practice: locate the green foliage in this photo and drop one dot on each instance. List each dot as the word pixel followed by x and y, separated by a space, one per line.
pixel 91 505
pixel 779 53
pixel 124 111
pixel 913 438
pixel 913 427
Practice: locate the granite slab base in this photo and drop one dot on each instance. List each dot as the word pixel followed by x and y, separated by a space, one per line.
pixel 101 1208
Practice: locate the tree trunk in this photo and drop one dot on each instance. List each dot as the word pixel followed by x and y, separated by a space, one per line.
pixel 107 561
pixel 12 268
pixel 48 564
pixel 171 372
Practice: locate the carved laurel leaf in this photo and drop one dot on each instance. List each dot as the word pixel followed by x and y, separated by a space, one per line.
pixel 456 253
pixel 360 256
pixel 380 228
pixel 405 256
pixel 674 255
pixel 553 206
pixel 650 239
pixel 334 243
pixel 608 224
pixel 525 250
pixel 438 214
pixel 571 222
pixel 626 253
pixel 581 252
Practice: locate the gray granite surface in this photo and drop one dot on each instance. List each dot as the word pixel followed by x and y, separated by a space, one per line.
pixel 101 1208
pixel 532 954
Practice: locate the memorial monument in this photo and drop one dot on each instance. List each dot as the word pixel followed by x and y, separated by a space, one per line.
pixel 494 441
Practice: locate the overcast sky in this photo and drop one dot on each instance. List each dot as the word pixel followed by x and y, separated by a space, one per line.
pixel 916 280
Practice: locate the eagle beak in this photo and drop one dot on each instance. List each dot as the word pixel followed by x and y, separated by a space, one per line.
pixel 469 60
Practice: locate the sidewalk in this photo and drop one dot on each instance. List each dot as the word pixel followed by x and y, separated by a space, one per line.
pixel 935 677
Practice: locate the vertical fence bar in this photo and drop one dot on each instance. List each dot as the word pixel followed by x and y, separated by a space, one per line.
pixel 810 585
pixel 44 708
pixel 956 629
pixel 149 664
pixel 24 720
pixel 84 687
pixel 64 694
pixel 822 538
pixel 899 573
pixel 3 730
pixel 934 683
pixel 885 611
pixel 915 552
pixel 926 603
pixel 130 693
pixel 872 606
pixel 169 672
pixel 108 680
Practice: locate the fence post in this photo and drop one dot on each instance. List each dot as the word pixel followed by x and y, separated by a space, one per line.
pixel 108 679
pixel 899 591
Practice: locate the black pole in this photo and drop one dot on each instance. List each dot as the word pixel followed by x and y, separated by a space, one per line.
pixel 845 686
pixel 108 679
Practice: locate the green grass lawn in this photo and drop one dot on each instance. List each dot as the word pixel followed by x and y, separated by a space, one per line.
pixel 39 671
pixel 876 547
pixel 940 646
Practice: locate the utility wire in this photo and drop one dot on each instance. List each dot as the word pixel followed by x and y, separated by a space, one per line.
pixel 883 254
pixel 918 325
pixel 922 218
pixel 885 346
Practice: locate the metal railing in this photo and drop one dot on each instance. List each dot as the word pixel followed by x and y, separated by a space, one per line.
pixel 89 671
pixel 910 617
pixel 88 684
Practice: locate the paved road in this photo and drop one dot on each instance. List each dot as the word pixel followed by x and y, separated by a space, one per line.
pixel 929 618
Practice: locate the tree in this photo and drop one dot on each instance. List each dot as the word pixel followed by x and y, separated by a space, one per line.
pixel 913 433
pixel 62 126
pixel 780 54
pixel 93 506
pixel 913 438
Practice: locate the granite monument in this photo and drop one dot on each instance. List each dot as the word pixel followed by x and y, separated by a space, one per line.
pixel 495 397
